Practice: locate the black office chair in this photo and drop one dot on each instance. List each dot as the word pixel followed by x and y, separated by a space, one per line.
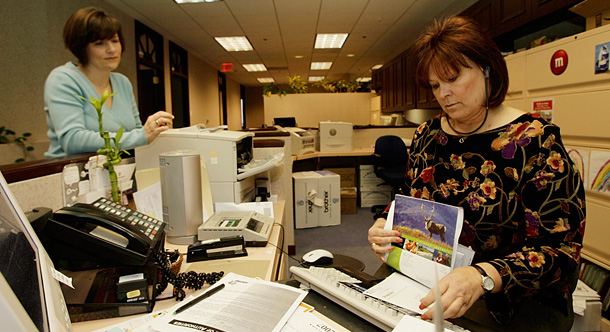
pixel 390 164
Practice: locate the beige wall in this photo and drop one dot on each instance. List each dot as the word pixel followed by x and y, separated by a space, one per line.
pixel 255 110
pixel 32 46
pixel 233 105
pixel 311 108
pixel 203 93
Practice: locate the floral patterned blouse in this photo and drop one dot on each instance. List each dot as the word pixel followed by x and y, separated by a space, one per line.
pixel 523 200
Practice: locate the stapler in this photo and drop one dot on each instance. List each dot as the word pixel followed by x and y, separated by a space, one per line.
pixel 224 247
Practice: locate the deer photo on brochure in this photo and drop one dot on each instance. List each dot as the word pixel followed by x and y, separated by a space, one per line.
pixel 430 233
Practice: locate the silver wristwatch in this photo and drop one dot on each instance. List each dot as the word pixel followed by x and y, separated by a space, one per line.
pixel 487 282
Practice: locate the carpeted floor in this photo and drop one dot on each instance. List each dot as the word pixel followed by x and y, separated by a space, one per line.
pixel 349 238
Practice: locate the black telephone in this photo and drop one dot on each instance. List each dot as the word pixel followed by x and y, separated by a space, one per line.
pixel 106 230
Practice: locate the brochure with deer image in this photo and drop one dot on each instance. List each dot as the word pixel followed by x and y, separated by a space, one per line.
pixel 431 232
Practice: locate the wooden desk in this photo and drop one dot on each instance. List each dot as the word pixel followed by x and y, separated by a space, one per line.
pixel 263 262
pixel 320 160
pixel 317 154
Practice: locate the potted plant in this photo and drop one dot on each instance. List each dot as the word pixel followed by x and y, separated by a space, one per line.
pixel 8 136
pixel 296 85
pixel 111 148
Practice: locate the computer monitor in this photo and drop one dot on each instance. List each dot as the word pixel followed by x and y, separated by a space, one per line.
pixel 30 296
pixel 285 122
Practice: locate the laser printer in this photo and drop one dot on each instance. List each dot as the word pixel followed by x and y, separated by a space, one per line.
pixel 227 156
pixel 336 136
pixel 301 141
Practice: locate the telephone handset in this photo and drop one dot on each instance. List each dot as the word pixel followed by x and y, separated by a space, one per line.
pixel 108 230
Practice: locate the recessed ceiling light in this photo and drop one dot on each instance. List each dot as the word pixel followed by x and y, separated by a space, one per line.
pixel 363 79
pixel 377 66
pixel 330 40
pixel 298 57
pixel 265 80
pixel 234 44
pixel 255 67
pixel 315 78
pixel 321 65
pixel 351 55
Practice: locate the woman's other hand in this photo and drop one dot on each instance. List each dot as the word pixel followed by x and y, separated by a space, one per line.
pixel 380 237
pixel 459 290
pixel 156 124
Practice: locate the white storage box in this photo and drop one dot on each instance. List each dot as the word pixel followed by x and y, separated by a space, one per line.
pixel 336 136
pixel 371 198
pixel 369 180
pixel 317 199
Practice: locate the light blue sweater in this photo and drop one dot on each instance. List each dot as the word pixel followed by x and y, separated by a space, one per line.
pixel 73 122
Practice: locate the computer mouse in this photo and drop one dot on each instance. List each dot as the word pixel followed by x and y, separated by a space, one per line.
pixel 318 257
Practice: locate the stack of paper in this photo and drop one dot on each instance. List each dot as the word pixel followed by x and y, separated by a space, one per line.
pixel 581 295
pixel 239 303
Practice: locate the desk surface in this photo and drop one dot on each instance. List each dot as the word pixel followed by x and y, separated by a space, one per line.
pixel 263 262
pixel 354 153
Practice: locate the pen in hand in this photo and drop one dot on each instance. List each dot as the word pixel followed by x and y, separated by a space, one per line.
pixel 200 298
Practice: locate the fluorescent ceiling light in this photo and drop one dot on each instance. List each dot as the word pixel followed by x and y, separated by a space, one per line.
pixel 363 79
pixel 330 40
pixel 255 67
pixel 321 65
pixel 315 78
pixel 265 80
pixel 377 66
pixel 234 44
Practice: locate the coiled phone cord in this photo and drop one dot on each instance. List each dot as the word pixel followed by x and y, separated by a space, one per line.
pixel 190 279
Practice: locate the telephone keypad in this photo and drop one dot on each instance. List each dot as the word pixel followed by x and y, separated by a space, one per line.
pixel 145 224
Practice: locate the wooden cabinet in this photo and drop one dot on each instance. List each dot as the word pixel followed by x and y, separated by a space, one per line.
pixel 506 20
pixel 426 99
pixel 398 89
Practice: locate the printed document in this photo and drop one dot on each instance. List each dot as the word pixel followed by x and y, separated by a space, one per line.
pixel 244 302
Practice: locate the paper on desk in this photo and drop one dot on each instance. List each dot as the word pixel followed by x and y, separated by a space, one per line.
pixel 581 294
pixel 401 291
pixel 140 323
pixel 410 323
pixel 245 302
pixel 148 201
pixel 304 320
pixel 265 208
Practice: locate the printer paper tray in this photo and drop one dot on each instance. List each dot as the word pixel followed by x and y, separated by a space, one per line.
pixel 256 170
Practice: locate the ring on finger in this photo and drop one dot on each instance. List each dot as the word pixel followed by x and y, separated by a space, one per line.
pixel 157 122
pixel 373 244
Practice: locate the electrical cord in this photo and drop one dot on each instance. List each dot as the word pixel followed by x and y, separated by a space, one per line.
pixel 281 248
pixel 190 279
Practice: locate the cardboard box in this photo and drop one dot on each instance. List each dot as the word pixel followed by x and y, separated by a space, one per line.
pixel 317 199
pixel 304 214
pixel 371 198
pixel 347 174
pixel 348 200
pixel 329 193
pixel 369 180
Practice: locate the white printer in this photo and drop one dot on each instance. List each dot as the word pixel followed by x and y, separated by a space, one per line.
pixel 301 141
pixel 336 136
pixel 227 155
